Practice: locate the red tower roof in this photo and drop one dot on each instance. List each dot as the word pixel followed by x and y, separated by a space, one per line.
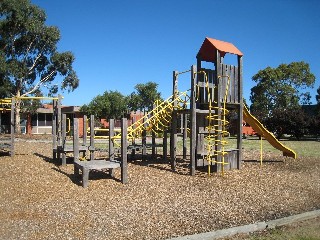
pixel 210 45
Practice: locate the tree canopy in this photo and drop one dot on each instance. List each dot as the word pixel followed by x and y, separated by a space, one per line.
pixel 29 58
pixel 111 104
pixel 144 96
pixel 283 87
pixel 318 96
pixel 278 96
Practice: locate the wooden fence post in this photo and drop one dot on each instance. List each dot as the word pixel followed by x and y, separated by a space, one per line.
pixel 124 157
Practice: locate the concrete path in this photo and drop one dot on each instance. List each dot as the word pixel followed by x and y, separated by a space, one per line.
pixel 259 226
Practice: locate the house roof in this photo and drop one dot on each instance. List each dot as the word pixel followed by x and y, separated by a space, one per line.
pixel 209 46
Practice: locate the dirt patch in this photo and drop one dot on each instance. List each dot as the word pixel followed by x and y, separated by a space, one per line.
pixel 42 200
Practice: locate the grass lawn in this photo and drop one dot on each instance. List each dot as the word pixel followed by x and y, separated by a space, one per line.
pixel 306 148
pixel 306 230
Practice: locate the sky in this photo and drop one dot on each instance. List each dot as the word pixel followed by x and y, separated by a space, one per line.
pixel 120 43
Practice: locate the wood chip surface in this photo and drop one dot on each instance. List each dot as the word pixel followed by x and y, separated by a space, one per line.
pixel 40 199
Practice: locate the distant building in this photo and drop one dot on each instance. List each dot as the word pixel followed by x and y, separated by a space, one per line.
pixel 247 130
pixel 41 121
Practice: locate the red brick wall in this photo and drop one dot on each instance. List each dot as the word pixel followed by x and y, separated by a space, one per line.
pixel 80 117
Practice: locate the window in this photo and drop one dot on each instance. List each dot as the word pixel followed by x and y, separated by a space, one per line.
pixel 41 119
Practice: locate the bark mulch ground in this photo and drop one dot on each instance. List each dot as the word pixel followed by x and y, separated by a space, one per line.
pixel 41 200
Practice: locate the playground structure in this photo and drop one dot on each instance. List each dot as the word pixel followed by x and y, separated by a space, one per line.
pixel 99 164
pixel 6 141
pixel 87 161
pixel 203 115
pixel 7 144
pixel 214 92
pixel 61 126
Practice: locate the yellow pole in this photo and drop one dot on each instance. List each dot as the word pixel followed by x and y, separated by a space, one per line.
pixel 48 98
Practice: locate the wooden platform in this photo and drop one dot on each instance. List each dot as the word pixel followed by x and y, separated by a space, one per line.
pixel 63 150
pixel 86 166
pixel 69 148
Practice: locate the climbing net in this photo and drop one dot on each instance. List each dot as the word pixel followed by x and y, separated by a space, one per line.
pixel 217 123
pixel 159 119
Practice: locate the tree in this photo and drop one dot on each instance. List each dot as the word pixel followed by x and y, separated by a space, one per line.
pixel 318 100
pixel 108 105
pixel 6 88
pixel 28 52
pixel 144 97
pixel 318 95
pixel 290 121
pixel 281 88
pixel 279 91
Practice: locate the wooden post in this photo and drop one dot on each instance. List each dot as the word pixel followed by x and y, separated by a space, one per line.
pixel 185 135
pixel 54 130
pixel 84 138
pixel 76 139
pixel 173 135
pixel 240 114
pixel 133 150
pixel 111 143
pixel 12 126
pixel 153 140
pixel 153 144
pixel 144 141
pixel 219 122
pixel 124 158
pixel 165 145
pixel 181 123
pixel 59 127
pixel 91 148
pixel 193 121
pixel 63 139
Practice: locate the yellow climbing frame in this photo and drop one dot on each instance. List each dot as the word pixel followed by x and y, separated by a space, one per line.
pixel 158 119
pixel 5 104
pixel 216 128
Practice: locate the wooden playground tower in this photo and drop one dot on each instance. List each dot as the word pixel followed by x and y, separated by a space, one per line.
pixel 214 92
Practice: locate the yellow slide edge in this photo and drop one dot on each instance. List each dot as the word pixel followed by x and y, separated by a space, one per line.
pixel 262 131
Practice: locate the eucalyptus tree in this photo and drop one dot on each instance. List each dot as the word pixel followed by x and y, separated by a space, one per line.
pixel 28 53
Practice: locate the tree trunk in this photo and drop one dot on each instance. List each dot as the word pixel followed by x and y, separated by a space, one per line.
pixel 17 114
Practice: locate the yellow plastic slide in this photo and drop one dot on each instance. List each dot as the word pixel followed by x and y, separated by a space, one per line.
pixel 262 131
